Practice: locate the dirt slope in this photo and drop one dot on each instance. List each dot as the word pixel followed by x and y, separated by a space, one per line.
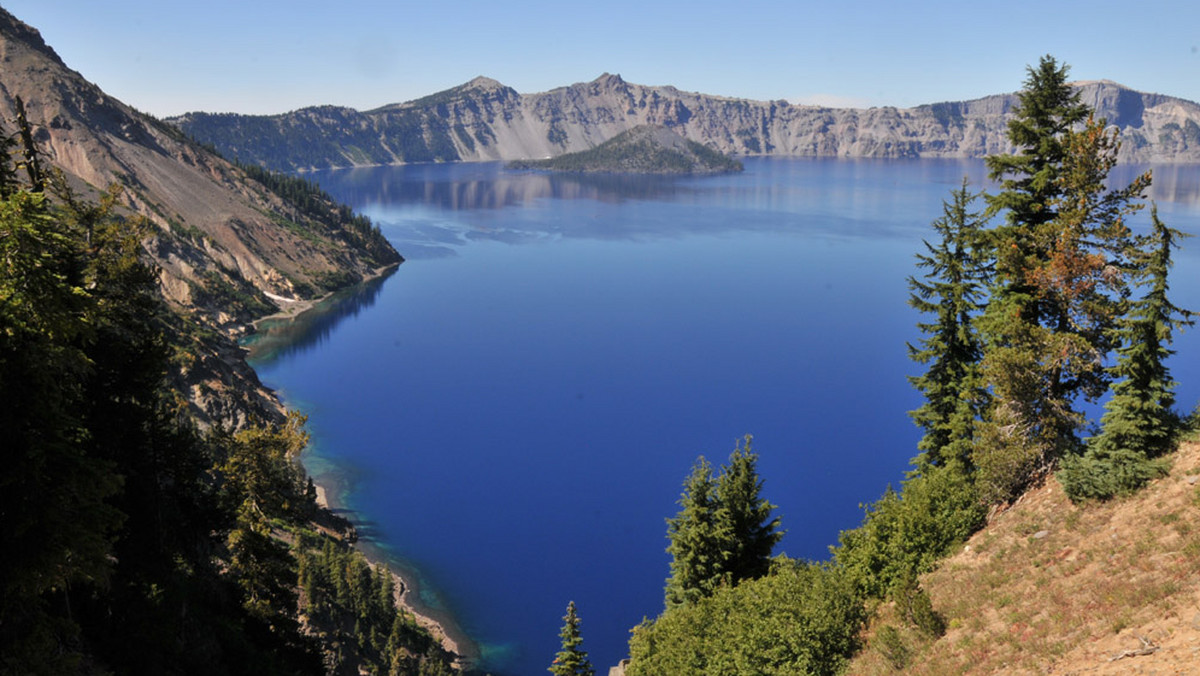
pixel 1051 588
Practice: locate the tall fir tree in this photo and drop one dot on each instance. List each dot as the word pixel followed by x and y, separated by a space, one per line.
pixel 752 531
pixel 724 533
pixel 1060 272
pixel 571 660
pixel 1138 424
pixel 698 537
pixel 952 291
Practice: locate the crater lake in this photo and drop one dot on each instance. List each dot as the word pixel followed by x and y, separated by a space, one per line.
pixel 510 415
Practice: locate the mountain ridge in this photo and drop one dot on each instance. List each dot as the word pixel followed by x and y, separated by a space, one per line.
pixel 228 247
pixel 485 120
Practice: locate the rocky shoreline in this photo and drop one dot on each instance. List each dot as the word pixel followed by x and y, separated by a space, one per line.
pixel 332 493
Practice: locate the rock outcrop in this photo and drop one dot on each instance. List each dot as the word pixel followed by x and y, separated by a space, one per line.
pixel 485 120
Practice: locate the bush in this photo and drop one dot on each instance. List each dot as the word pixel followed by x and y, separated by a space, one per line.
pixel 904 535
pixel 801 619
pixel 1094 476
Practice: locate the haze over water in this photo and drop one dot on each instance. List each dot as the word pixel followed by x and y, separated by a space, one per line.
pixel 512 413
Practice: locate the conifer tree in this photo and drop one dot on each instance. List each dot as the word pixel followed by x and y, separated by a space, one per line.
pixel 951 291
pixel 1060 272
pixel 571 660
pixel 1140 415
pixel 1138 424
pixel 698 539
pixel 724 532
pixel 752 532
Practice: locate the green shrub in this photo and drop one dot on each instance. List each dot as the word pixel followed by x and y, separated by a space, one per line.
pixel 801 619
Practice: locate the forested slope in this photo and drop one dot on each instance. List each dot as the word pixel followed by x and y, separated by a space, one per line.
pixel 153 517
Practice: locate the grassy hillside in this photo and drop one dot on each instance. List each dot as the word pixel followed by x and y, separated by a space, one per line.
pixel 1050 587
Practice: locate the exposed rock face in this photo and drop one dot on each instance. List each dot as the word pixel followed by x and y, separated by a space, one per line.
pixel 647 149
pixel 485 120
pixel 224 243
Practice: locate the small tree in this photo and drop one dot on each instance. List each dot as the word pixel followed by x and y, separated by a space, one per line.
pixel 951 290
pixel 571 660
pixel 1138 424
pixel 752 532
pixel 698 540
pixel 724 532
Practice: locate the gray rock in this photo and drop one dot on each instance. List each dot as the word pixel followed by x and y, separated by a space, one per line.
pixel 484 120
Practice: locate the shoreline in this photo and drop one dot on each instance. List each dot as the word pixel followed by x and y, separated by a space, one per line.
pixel 331 496
pixel 291 308
pixel 440 624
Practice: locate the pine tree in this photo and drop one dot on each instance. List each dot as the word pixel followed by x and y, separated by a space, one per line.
pixel 698 540
pixel 1048 108
pixel 1060 272
pixel 1139 416
pixel 724 532
pixel 1138 424
pixel 752 532
pixel 571 660
pixel 958 270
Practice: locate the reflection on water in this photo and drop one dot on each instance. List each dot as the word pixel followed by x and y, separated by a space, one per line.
pixel 485 186
pixel 1178 183
pixel 284 337
pixel 431 210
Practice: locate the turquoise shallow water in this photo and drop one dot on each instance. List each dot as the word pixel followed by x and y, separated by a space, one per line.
pixel 513 411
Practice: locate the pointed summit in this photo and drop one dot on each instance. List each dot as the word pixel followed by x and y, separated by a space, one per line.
pixel 609 80
pixel 485 83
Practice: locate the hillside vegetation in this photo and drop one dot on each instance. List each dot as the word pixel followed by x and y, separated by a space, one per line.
pixel 153 516
pixel 1042 301
pixel 1051 587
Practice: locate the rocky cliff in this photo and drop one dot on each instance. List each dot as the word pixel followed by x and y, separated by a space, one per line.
pixel 229 248
pixel 485 120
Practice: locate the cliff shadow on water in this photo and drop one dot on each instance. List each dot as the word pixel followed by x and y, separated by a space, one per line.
pixel 286 336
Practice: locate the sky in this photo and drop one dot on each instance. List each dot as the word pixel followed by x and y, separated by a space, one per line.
pixel 270 56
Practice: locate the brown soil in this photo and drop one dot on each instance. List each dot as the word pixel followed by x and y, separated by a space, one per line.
pixel 1052 588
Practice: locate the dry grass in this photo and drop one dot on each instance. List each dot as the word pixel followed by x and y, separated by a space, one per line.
pixel 1050 588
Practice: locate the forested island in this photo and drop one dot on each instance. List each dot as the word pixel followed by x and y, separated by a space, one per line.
pixel 646 149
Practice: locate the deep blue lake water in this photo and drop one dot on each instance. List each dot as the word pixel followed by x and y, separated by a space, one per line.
pixel 512 413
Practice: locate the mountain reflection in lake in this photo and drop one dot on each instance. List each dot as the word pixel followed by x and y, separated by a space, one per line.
pixel 417 204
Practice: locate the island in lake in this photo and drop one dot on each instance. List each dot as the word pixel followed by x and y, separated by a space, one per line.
pixel 646 149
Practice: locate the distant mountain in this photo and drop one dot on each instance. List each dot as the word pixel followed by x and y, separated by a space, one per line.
pixel 485 120
pixel 229 247
pixel 647 149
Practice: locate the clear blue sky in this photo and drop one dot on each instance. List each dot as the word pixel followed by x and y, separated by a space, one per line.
pixel 269 56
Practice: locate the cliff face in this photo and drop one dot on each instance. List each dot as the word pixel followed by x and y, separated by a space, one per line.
pixel 227 246
pixel 485 120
